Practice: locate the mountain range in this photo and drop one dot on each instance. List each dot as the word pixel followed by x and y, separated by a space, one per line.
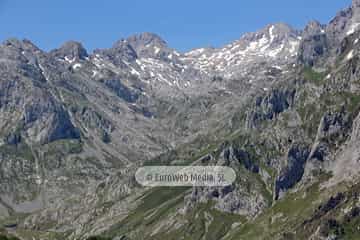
pixel 280 106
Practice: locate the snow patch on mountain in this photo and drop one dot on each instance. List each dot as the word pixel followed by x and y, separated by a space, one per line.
pixel 274 42
pixel 352 28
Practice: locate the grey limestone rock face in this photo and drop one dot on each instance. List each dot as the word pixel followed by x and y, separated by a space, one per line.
pixel 71 50
pixel 333 124
pixel 121 90
pixel 356 11
pixel 313 28
pixel 314 45
pixel 147 44
pixel 356 3
pixel 13 138
pixel 337 27
pixel 239 203
pixel 120 52
pixel 294 169
pixel 269 106
pixel 355 135
pixel 230 199
pixel 234 157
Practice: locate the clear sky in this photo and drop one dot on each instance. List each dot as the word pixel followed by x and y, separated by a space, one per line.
pixel 184 24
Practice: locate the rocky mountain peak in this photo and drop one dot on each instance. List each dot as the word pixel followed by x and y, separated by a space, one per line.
pixel 71 50
pixel 147 45
pixel 356 3
pixel 275 32
pixel 19 50
pixel 20 44
pixel 121 51
pixel 346 22
pixel 278 42
pixel 355 13
pixel 146 40
pixel 313 28
pixel 282 30
pixel 14 42
pixel 314 43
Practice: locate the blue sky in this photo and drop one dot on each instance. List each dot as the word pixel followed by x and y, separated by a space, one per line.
pixel 184 24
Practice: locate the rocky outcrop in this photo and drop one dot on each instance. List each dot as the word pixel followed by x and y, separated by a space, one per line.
pixel 234 157
pixel 150 45
pixel 346 165
pixel 230 199
pixel 120 52
pixel 271 105
pixel 70 51
pixel 121 90
pixel 47 122
pixel 13 138
pixel 336 29
pixel 336 125
pixel 355 135
pixel 294 170
pixel 314 44
pixel 60 127
pixel 26 95
pixel 239 203
pixel 334 129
